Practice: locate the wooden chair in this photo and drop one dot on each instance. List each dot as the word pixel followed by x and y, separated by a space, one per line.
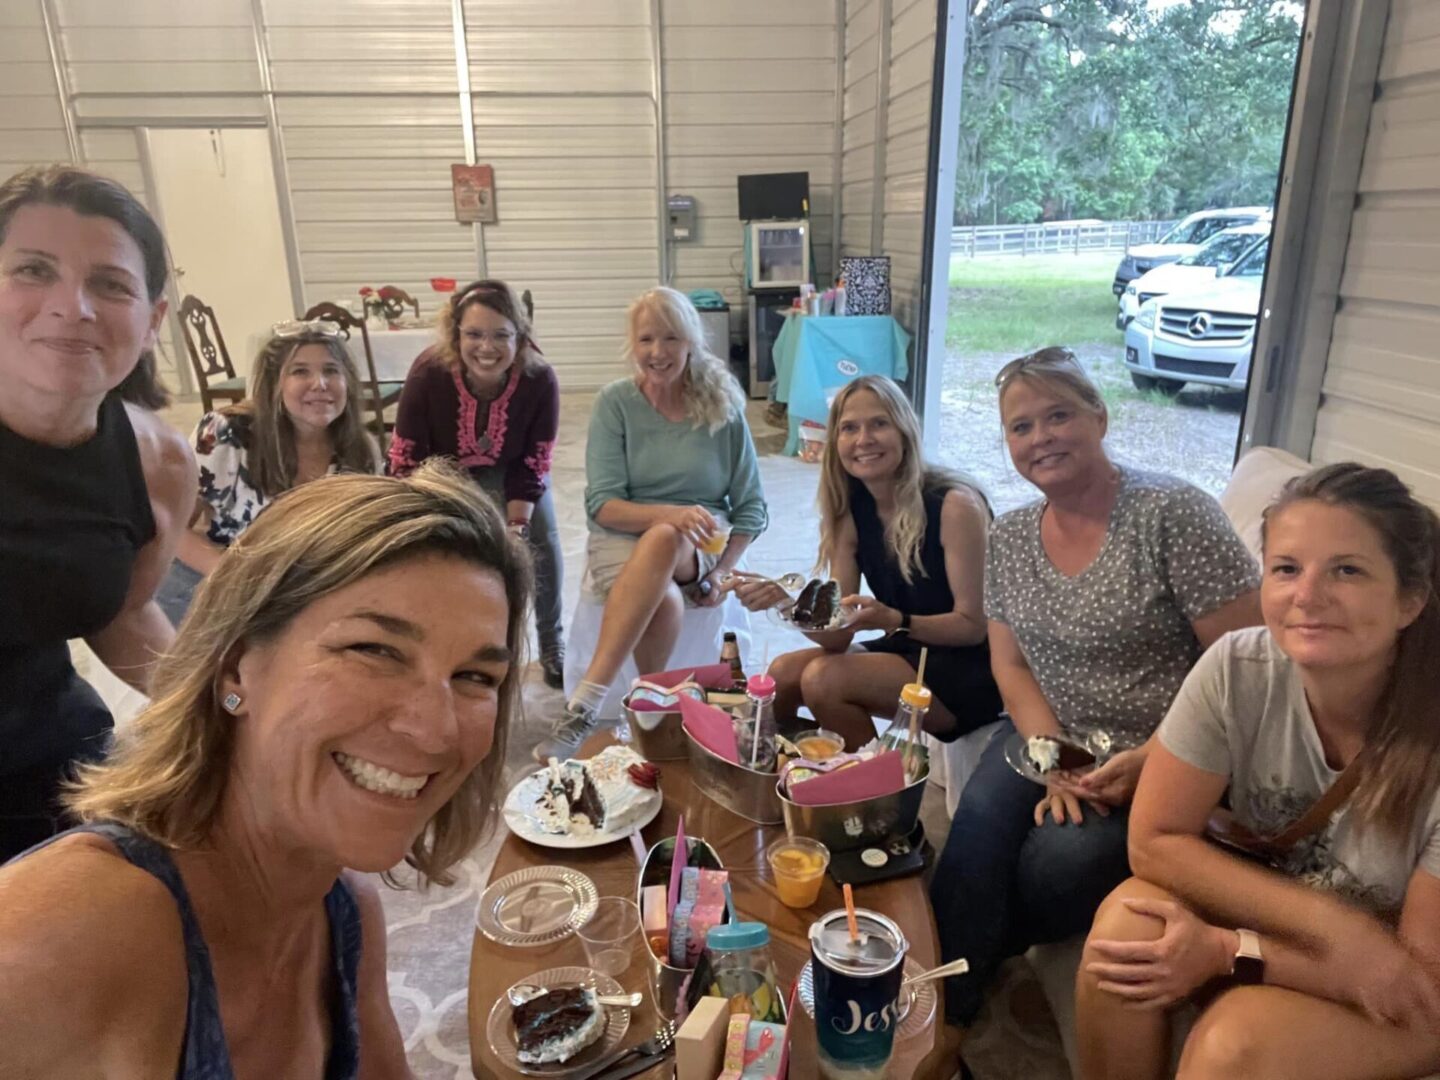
pixel 378 395
pixel 396 300
pixel 208 355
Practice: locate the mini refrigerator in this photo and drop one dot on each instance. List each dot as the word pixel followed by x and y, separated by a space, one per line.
pixel 779 254
pixel 767 318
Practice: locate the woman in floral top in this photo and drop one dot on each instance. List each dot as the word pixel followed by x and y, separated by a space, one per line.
pixel 302 421
pixel 484 397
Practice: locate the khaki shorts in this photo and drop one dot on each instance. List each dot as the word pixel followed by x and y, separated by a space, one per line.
pixel 606 554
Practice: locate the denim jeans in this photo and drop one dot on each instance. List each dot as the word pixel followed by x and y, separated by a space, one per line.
pixel 544 547
pixel 1003 884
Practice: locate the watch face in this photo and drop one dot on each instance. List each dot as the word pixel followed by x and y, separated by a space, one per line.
pixel 1249 970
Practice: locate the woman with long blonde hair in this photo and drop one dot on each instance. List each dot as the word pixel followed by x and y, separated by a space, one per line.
pixel 916 534
pixel 302 420
pixel 336 702
pixel 672 494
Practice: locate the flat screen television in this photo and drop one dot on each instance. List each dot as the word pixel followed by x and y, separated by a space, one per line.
pixel 774 196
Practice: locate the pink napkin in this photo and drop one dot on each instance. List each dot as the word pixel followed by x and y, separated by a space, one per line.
pixel 710 676
pixel 712 728
pixel 883 774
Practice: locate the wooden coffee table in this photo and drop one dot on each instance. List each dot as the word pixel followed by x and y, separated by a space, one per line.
pixel 741 844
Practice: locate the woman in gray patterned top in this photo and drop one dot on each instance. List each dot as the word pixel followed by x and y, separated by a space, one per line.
pixel 1343 963
pixel 1100 597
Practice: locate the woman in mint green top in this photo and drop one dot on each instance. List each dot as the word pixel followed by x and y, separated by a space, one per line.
pixel 672 497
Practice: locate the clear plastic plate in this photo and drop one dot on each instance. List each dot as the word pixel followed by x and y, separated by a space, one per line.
pixel 500 1029
pixel 539 905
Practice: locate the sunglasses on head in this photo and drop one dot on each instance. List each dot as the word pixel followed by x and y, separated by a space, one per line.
pixel 1050 357
pixel 293 328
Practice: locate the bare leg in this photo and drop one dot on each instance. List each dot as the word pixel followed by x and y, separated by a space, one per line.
pixel 652 651
pixel 1280 1034
pixel 845 690
pixel 786 670
pixel 1117 1042
pixel 661 557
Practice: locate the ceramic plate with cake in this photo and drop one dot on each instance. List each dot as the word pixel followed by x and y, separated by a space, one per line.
pixel 580 804
pixel 1036 758
pixel 561 1032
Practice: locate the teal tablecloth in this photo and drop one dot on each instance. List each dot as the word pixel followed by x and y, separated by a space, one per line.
pixel 817 354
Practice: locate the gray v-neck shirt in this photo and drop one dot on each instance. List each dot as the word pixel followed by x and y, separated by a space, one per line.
pixel 1111 645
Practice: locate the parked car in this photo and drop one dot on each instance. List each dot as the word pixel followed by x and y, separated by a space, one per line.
pixel 1205 336
pixel 1215 257
pixel 1184 239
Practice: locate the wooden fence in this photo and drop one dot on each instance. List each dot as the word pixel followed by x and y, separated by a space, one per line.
pixel 1053 238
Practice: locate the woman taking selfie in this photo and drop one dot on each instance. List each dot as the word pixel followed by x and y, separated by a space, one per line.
pixel 1323 727
pixel 336 702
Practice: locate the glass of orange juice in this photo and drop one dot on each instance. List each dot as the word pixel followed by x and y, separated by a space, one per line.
pixel 799 865
pixel 716 544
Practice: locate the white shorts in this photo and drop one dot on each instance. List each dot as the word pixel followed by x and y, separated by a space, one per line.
pixel 606 554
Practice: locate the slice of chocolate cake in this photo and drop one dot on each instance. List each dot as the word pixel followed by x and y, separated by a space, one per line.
pixel 827 604
pixel 557 1025
pixel 803 613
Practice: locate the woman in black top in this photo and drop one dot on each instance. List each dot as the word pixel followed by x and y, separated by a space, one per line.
pixel 916 534
pixel 93 492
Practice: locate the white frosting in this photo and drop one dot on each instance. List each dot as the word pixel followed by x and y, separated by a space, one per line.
pixel 622 801
pixel 564 1047
pixel 1044 753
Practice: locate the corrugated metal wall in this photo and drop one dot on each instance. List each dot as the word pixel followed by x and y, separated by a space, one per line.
pixel 889 65
pixel 907 141
pixel 1381 393
pixel 749 88
pixel 367 101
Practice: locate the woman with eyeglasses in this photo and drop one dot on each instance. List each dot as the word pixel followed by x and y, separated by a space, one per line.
pixel 1100 596
pixel 94 491
pixel 302 420
pixel 485 398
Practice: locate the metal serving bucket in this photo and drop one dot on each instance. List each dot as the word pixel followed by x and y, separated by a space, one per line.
pixel 666 981
pixel 852 826
pixel 743 791
pixel 656 733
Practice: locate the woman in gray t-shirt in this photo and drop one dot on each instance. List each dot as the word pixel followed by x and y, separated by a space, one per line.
pixel 1340 969
pixel 1099 598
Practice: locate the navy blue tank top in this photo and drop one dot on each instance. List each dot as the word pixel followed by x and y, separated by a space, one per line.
pixel 205 1054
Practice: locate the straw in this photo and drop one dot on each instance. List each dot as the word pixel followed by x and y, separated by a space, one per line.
pixel 850 915
pixel 638 846
pixel 677 864
pixel 730 904
pixel 920 673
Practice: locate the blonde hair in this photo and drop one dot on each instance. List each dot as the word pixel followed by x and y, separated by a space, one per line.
pixel 499 298
pixel 905 534
pixel 167 774
pixel 1057 370
pixel 268 433
pixel 712 396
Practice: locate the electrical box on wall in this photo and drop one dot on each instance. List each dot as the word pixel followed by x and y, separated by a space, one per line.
pixel 682 217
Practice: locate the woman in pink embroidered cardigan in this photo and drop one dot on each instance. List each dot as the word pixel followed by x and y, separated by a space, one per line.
pixel 484 397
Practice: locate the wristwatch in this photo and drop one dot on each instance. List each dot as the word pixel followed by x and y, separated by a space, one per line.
pixel 904 627
pixel 1248 966
pixel 520 528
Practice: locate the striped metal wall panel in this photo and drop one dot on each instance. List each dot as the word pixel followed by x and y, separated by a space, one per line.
pixel 862 47
pixel 749 88
pixel 32 125
pixel 907 143
pixel 563 110
pixel 1381 394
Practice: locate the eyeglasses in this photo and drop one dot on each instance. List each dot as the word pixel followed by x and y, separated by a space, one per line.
pixel 1052 356
pixel 502 338
pixel 292 328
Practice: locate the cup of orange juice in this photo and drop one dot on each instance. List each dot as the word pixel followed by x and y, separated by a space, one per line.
pixel 716 544
pixel 799 866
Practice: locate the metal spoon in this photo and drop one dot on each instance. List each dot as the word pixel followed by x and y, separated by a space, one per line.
pixel 788 582
pixel 523 992
pixel 955 967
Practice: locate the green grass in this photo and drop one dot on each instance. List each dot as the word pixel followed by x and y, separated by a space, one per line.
pixel 1016 304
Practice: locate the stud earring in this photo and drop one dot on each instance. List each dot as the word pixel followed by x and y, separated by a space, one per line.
pixel 232 703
